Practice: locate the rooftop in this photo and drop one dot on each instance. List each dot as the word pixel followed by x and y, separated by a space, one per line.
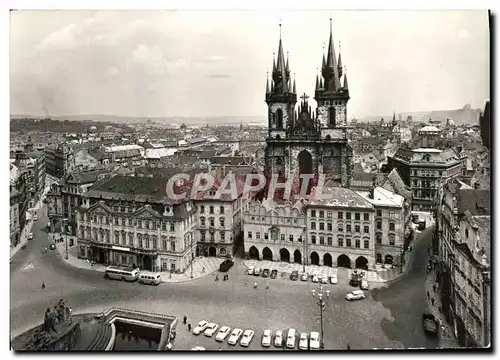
pixel 383 197
pixel 429 128
pixel 339 197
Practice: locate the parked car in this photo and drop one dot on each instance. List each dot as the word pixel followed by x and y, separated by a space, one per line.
pixel 200 327
pixel 198 348
pixel 30 236
pixel 333 279
pixel 250 270
pixel 290 339
pixel 247 338
pixel 421 225
pixel 294 276
pixel 266 338
pixel 265 273
pixel 303 342
pixel 431 325
pixel 364 285
pixel 323 280
pixel 24 246
pixel 314 341
pixel 35 217
pixel 52 246
pixel 355 295
pixel 274 274
pixel 278 338
pixel 355 279
pixel 211 329
pixel 223 333
pixel 414 218
pixel 315 278
pixel 235 336
pixel 256 271
pixel 226 265
pixel 303 277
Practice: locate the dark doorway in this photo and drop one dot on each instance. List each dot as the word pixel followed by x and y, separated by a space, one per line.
pixel 212 251
pixel 147 263
pixel 253 253
pixel 327 260
pixel 344 261
pixel 100 258
pixel 267 254
pixel 362 263
pixel 314 258
pixel 305 167
pixel 388 259
pixel 297 257
pixel 284 255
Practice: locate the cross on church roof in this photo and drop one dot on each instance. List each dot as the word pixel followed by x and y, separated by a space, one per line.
pixel 304 97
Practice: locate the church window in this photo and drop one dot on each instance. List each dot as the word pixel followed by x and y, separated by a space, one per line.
pixel 331 116
pixel 279 119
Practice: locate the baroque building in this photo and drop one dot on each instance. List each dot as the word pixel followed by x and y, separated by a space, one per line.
pixel 301 141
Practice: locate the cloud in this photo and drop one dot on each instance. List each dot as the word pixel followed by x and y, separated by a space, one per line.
pixel 218 76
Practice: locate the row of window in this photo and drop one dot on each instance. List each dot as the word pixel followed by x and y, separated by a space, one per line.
pixel 348 215
pixel 211 209
pixel 392 226
pixel 378 239
pixel 266 236
pixel 340 241
pixel 211 220
pixel 281 219
pixel 203 236
pixel 340 227
pixel 141 224
pixel 120 238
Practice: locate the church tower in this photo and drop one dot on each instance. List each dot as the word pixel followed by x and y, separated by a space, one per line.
pixel 332 95
pixel 280 99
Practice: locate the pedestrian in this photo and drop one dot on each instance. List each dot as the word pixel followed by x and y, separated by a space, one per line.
pixel 184 320
pixel 348 347
pixel 227 276
pixel 43 285
pixel 216 277
pixel 432 301
pixel 189 327
pixel 203 269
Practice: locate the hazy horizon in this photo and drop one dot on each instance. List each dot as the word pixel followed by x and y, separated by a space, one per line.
pixel 214 63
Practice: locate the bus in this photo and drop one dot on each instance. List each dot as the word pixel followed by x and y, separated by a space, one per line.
pixel 124 274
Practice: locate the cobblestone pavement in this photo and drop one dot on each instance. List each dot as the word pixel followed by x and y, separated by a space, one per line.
pixel 446 335
pixel 202 266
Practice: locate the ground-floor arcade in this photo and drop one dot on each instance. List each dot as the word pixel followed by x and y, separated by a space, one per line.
pixel 298 254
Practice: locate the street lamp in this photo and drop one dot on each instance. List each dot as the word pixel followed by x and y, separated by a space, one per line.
pixel 304 227
pixel 321 296
pixel 64 221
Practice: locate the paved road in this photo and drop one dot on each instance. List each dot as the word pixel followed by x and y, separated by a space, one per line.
pixel 389 318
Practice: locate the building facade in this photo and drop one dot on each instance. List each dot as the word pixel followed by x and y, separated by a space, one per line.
pixel 423 170
pixel 392 218
pixel 59 160
pixel 130 221
pixel 303 142
pixel 15 229
pixel 275 232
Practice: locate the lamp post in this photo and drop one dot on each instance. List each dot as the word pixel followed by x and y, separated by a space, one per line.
pixel 65 221
pixel 321 296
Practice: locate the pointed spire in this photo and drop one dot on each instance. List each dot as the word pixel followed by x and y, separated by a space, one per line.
pixel 346 87
pixel 339 65
pixel 323 64
pixel 317 82
pixel 294 87
pixel 321 85
pixel 274 62
pixel 331 60
pixel 287 62
pixel 267 83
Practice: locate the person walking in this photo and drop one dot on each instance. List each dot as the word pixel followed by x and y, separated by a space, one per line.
pixel 189 327
pixel 184 320
pixel 43 285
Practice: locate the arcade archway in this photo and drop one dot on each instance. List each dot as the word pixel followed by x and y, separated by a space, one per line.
pixel 284 255
pixel 314 258
pixel 212 251
pixel 253 253
pixel 267 254
pixel 362 263
pixel 344 261
pixel 297 257
pixel 327 260
pixel 389 259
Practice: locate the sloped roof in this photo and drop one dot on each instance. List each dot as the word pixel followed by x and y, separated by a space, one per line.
pixel 340 197
pixel 475 201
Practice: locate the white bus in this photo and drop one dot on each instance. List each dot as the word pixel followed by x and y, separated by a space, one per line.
pixel 123 274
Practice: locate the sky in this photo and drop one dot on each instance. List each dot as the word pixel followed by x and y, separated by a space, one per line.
pixel 214 63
